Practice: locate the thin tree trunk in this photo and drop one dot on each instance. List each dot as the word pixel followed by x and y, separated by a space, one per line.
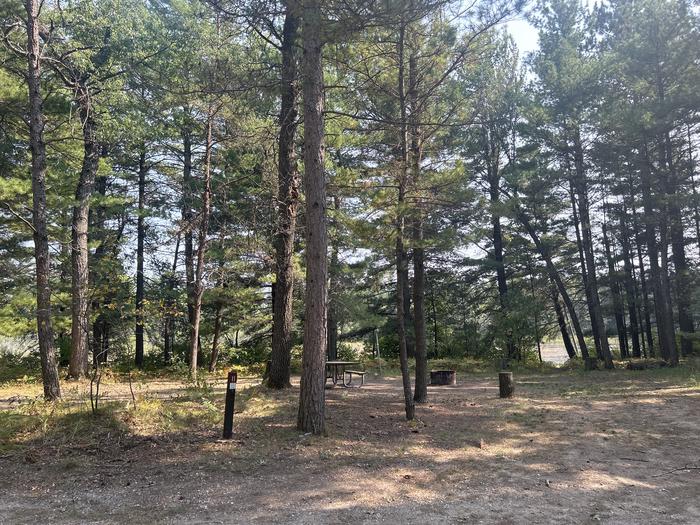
pixel 169 329
pixel 597 319
pixel 556 278
pixel 691 176
pixel 288 199
pixel 187 220
pixel 215 341
pixel 561 321
pixel 407 314
pixel 201 252
pixel 78 366
pixel 400 252
pixel 618 301
pixel 49 371
pixel 421 393
pixel 642 275
pixel 311 416
pixel 491 157
pixel 680 263
pixel 98 235
pixel 332 277
pixel 420 351
pixel 629 284
pixel 664 316
pixel 140 235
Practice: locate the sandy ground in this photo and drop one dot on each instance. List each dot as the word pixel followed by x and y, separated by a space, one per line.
pixel 569 448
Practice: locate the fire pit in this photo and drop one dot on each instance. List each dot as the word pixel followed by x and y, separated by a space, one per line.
pixel 443 377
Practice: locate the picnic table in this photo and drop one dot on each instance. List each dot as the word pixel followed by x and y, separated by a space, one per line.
pixel 335 371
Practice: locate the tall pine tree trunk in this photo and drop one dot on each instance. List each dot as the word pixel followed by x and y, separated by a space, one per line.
pixel 312 396
pixel 421 392
pixel 49 371
pixel 543 250
pixel 597 319
pixel 140 236
pixel 332 351
pixel 494 195
pixel 78 366
pixel 203 230
pixel 642 275
pixel 680 263
pixel 288 198
pixel 561 321
pixel 170 302
pixel 400 250
pixel 662 303
pixel 629 285
pixel 615 290
pixel 187 221
pixel 217 335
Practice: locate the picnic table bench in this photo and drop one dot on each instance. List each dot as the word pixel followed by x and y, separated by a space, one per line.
pixel 337 371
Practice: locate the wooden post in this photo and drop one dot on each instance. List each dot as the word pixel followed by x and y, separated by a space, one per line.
pixel 505 384
pixel 230 402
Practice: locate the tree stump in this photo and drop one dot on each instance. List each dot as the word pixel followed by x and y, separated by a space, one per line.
pixel 443 377
pixel 590 363
pixel 505 384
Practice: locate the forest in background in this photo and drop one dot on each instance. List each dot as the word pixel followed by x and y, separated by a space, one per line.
pixel 185 156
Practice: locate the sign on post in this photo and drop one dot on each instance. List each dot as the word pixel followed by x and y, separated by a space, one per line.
pixel 230 401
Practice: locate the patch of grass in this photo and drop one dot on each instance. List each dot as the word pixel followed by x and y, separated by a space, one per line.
pixel 58 425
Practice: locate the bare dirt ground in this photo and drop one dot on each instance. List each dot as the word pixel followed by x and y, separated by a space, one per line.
pixel 605 447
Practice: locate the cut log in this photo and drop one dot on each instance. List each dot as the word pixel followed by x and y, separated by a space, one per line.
pixel 443 377
pixel 505 384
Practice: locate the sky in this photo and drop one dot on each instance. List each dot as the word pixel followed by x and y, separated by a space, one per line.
pixel 524 34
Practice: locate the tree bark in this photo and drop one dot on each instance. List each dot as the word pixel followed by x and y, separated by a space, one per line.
pixel 140 235
pixel 49 370
pixel 203 230
pixel 642 275
pixel 491 159
pixel 421 392
pixel 629 285
pixel 98 236
pixel 561 321
pixel 618 301
pixel 691 177
pixel 215 341
pixel 288 199
pixel 680 263
pixel 543 250
pixel 78 366
pixel 662 303
pixel 332 352
pixel 187 220
pixel 400 252
pixel 311 416
pixel 597 319
pixel 169 328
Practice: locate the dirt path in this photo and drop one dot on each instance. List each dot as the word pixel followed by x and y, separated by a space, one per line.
pixel 568 449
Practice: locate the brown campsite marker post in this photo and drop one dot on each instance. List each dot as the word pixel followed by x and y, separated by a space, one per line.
pixel 230 401
pixel 505 384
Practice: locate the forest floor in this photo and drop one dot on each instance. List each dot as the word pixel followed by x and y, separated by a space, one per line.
pixel 570 447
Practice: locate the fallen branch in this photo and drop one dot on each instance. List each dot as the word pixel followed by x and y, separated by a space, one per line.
pixel 687 467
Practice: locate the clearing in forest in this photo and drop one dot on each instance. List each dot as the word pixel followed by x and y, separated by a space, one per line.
pixel 615 447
